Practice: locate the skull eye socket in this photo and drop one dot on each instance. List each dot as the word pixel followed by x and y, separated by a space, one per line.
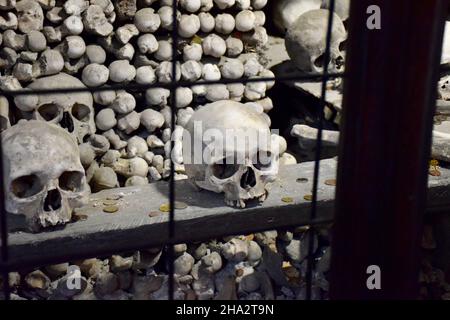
pixel 320 61
pixel 71 181
pixel 81 112
pixel 224 170
pixel 49 111
pixel 263 161
pixel 26 186
pixel 343 46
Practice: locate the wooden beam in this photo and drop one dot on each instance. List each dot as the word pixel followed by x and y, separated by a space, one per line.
pixel 388 107
pixel 206 217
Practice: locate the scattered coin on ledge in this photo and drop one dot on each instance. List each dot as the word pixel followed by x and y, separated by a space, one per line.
pixel 111 209
pixel 287 199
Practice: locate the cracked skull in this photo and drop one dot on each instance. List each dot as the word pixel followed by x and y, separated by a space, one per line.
pixel 44 178
pixel 227 148
pixel 306 42
pixel 73 110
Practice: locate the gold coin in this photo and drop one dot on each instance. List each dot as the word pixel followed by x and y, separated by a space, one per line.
pixel 109 202
pixel 154 214
pixel 330 182
pixel 111 209
pixel 434 163
pixel 180 205
pixel 287 199
pixel 114 197
pixel 308 197
pixel 164 207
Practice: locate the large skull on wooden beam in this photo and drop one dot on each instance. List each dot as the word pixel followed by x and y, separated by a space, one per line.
pixel 227 147
pixel 44 178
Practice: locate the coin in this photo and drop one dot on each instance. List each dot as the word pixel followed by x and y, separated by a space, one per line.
pixel 177 205
pixel 287 199
pixel 330 182
pixel 108 202
pixel 154 214
pixel 308 197
pixel 111 209
pixel 302 180
pixel 113 197
pixel 164 207
pixel 180 205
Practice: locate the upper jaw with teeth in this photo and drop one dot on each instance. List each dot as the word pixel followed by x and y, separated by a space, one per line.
pixel 241 203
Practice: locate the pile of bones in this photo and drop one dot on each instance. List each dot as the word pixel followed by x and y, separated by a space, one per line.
pixel 116 138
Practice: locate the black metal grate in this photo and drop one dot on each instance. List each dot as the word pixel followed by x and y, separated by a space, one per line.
pixel 172 86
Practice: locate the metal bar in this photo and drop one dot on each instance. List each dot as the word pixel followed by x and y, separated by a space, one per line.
pixel 131 229
pixel 4 231
pixel 173 94
pixel 27 263
pixel 318 151
pixel 169 85
pixel 388 107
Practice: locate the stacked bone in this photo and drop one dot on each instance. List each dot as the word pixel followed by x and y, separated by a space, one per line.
pixel 103 43
pixel 262 266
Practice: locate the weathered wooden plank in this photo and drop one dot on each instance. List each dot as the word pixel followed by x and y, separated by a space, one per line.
pixel 205 217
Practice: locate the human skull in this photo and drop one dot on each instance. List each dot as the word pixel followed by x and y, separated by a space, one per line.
pixel 44 178
pixel 285 12
pixel 341 7
pixel 306 42
pixel 227 148
pixel 73 111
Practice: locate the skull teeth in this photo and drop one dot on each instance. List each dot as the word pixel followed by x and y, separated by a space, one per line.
pixel 236 204
pixel 263 197
pixel 241 203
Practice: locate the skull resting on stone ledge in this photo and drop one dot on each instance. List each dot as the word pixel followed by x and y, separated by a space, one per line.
pixel 44 178
pixel 227 149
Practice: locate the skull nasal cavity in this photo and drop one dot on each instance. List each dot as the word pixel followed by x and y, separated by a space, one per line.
pixel 339 62
pixel 52 201
pixel 67 122
pixel 248 179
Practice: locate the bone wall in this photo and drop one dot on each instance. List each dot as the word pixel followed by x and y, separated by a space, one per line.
pixel 124 135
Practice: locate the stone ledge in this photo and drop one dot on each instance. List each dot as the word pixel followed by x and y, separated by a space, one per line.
pixel 206 217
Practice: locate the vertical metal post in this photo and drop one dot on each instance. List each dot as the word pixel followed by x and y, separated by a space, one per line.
pixel 318 153
pixel 3 232
pixel 173 97
pixel 389 99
